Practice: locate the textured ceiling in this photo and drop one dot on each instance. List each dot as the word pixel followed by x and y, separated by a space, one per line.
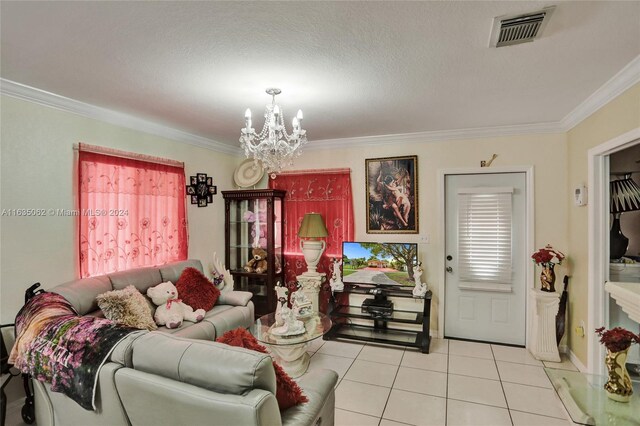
pixel 355 68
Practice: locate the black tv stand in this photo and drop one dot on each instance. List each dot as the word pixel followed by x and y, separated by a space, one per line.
pixel 378 330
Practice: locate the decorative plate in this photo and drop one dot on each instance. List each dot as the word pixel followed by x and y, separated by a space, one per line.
pixel 248 173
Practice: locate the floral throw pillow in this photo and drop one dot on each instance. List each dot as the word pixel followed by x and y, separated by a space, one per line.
pixel 196 290
pixel 128 307
pixel 288 393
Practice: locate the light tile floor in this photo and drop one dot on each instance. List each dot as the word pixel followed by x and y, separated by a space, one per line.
pixel 459 383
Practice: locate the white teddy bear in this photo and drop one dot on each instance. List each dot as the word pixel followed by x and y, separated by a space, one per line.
pixel 171 311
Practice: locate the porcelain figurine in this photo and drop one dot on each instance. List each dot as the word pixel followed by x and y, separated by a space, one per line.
pixel 282 293
pixel 336 281
pixel 420 288
pixel 301 304
pixel 291 326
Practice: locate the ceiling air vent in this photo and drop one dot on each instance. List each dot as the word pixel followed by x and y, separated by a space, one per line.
pixel 515 29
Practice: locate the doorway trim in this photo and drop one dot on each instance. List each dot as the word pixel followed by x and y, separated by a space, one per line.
pixel 529 232
pixel 598 225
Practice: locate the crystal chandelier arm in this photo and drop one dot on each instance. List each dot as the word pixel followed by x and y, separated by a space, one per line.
pixel 273 146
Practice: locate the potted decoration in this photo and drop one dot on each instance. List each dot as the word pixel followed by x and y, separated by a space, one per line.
pixel 617 341
pixel 548 258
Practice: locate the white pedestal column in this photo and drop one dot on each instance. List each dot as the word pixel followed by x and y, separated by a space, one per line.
pixel 311 286
pixel 543 336
pixel 294 359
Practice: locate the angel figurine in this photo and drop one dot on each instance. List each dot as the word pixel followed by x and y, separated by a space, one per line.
pixel 336 281
pixel 291 326
pixel 300 303
pixel 421 288
pixel 222 278
pixel 282 293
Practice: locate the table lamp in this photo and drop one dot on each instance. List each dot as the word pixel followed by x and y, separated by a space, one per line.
pixel 625 197
pixel 311 229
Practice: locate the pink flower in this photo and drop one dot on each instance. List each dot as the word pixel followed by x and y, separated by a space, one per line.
pixel 108 254
pixel 93 223
pixel 135 253
pixel 165 221
pixel 145 223
pixel 121 223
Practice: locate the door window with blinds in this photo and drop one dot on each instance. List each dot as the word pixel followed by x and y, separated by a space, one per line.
pixel 484 238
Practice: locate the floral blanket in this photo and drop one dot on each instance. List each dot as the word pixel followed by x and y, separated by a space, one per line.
pixel 56 345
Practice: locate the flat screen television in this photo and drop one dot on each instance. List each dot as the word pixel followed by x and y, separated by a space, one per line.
pixel 380 264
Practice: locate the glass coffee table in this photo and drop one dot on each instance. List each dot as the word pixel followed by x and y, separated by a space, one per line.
pixel 586 401
pixel 291 351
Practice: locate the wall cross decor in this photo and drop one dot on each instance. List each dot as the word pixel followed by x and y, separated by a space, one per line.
pixel 201 190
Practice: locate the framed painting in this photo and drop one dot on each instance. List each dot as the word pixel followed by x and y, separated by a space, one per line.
pixel 392 195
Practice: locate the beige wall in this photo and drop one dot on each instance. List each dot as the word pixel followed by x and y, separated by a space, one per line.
pixel 547 153
pixel 617 117
pixel 37 172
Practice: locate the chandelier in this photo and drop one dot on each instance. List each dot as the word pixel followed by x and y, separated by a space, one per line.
pixel 273 146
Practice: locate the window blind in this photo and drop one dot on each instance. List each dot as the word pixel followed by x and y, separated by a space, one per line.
pixel 484 238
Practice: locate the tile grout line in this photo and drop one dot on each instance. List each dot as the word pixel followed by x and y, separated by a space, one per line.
pixel 504 394
pixel 392 383
pixel 547 416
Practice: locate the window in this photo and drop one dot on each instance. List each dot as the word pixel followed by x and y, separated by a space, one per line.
pixel 132 211
pixel 484 238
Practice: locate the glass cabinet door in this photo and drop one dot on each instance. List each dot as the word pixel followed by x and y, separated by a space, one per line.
pixel 254 227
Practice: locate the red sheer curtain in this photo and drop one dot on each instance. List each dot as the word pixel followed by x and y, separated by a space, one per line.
pixel 132 212
pixel 327 192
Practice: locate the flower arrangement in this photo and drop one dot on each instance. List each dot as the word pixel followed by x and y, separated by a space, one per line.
pixel 548 255
pixel 617 339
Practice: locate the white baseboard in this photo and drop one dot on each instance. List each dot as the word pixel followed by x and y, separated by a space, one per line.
pixel 563 349
pixel 576 361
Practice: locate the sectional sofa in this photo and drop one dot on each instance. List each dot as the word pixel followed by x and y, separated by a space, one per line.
pixel 182 376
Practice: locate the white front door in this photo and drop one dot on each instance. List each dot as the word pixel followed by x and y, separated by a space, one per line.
pixel 485 282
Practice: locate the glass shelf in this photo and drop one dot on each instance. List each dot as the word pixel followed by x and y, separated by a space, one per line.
pixel 387 335
pixel 396 316
pixel 249 246
pixel 390 291
pixel 586 401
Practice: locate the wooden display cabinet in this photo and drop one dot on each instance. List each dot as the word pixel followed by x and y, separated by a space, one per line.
pixel 255 218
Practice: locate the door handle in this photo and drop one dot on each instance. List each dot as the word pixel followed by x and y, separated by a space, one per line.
pixel 449 269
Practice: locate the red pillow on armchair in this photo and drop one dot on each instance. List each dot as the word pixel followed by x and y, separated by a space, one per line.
pixel 288 393
pixel 196 290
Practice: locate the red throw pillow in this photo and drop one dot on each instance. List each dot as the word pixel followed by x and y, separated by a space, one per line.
pixel 288 393
pixel 196 290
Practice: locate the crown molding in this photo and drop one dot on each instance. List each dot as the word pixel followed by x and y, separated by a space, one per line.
pixel 616 85
pixel 41 97
pixel 620 82
pixel 437 136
